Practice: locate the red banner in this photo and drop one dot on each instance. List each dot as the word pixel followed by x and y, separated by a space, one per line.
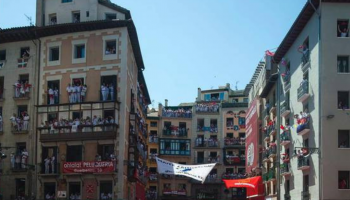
pixel 254 185
pixel 252 137
pixel 88 167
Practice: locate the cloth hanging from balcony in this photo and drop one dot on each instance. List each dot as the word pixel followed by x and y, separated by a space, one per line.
pixel 254 185
pixel 198 172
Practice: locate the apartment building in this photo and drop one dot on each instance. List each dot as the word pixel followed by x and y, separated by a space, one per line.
pixel 211 130
pixel 78 75
pixel 18 77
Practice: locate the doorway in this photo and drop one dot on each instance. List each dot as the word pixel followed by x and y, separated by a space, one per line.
pixel 55 86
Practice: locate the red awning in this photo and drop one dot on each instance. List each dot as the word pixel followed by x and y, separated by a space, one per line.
pixel 254 185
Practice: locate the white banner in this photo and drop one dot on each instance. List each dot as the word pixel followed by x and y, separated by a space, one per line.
pixel 198 172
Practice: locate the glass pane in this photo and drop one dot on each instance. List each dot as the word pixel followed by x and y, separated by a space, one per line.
pixel 42 109
pixel 97 106
pixel 75 107
pixel 53 109
pixel 108 105
pixel 86 106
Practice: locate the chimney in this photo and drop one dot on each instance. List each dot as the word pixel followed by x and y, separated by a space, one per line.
pixel 199 94
pixel 166 103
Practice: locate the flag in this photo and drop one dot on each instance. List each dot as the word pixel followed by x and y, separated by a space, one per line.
pixel 198 172
pixel 269 53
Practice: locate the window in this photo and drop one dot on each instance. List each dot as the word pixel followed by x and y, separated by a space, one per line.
pixel 106 189
pixel 174 147
pixel 245 100
pixel 79 51
pixel 154 124
pixel 343 64
pixel 182 125
pixel 229 123
pixel 76 16
pixel 21 110
pixel 24 53
pixel 54 54
pixel 52 19
pixel 74 189
pixel 20 187
pixel 50 189
pixel 343 138
pixel 343 28
pixel 110 83
pixel 111 16
pixel 66 1
pixel 87 14
pixel 153 133
pixel 200 124
pixel 2 54
pixel 229 170
pixel 153 151
pixel 74 153
pixel 343 100
pixel 111 47
pixel 1 88
pixel 304 49
pixel 55 88
pixel 105 151
pixel 343 177
pixel 49 153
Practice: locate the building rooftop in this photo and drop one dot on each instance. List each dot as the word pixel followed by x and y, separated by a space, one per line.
pixel 115 7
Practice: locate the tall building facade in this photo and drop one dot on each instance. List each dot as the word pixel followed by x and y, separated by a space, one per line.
pixel 210 130
pixel 84 91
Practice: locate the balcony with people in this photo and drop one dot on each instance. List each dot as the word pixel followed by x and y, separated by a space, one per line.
pixel 177 112
pixel 286 78
pixel 153 139
pixel 271 127
pixel 207 160
pixel 207 108
pixel 168 190
pixel 303 90
pixel 19 160
pixel 233 176
pixel 174 131
pixel 211 142
pixel 21 90
pixel 151 194
pixel 304 50
pixel 88 121
pixel 285 109
pixel 272 150
pixel 303 123
pixel 20 123
pixel 272 174
pixel 213 126
pixel 285 169
pixel 234 157
pixel 285 136
pixel 303 159
pixel 234 141
pixel 265 155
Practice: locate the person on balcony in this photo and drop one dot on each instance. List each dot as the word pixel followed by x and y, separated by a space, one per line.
pixel 74 93
pixel 27 87
pixel 47 164
pixel 78 92
pixel 12 160
pixel 83 92
pixel 53 160
pixel 25 156
pixel 104 92
pixel 51 97
pixel 17 89
pixel 343 32
pixel 56 95
pixel 69 91
pixel 111 91
pixel 25 121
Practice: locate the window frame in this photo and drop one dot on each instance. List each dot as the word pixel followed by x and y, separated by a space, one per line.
pixel 348 138
pixel 66 1
pixel 348 178
pixel 106 14
pixel 348 100
pixel 106 39
pixel 338 33
pixel 4 53
pixel 348 67
pixel 53 45
pixel 51 56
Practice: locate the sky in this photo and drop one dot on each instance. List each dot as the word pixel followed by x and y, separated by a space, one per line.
pixel 187 44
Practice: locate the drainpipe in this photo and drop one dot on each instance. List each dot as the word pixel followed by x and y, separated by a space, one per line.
pixel 318 12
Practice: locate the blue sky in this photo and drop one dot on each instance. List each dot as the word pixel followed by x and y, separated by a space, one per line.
pixel 188 44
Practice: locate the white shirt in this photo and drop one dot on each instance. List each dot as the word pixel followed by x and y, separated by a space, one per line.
pixel 69 89
pixel 51 91
pixel 26 118
pixel 55 92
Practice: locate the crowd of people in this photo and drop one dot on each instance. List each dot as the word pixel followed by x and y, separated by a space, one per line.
pixel 231 175
pixel 234 141
pixel 214 107
pixel 177 113
pixel 76 93
pixel 19 160
pixel 210 142
pixel 75 196
pixel 20 123
pixel 50 196
pixel 107 92
pixel 53 96
pixel 96 124
pixel 175 131
pixel 22 89
pixel 106 196
pixel 302 120
pixel 49 163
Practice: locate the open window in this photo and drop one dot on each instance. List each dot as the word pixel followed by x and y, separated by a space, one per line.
pixel 52 19
pixel 105 151
pixel 343 28
pixel 79 51
pixel 54 54
pixel 74 190
pixel 21 110
pixel 2 54
pixel 20 188
pixel 49 160
pixel 200 124
pixel 50 190
pixel 343 64
pixel 24 53
pixel 53 91
pixel 74 153
pixel 108 88
pixel 343 138
pixel 111 16
pixel 1 87
pixel 76 16
pixel 343 177
pixel 343 99
pixel 106 190
pixel 111 46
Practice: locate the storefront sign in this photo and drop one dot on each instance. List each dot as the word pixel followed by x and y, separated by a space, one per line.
pixel 88 167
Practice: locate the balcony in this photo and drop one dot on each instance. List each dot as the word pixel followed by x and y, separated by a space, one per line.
pixel 285 170
pixel 234 105
pixel 17 163
pixel 78 133
pixel 177 112
pixel 285 110
pixel 21 91
pixel 50 170
pixel 266 114
pixel 233 176
pixel 142 150
pixel 153 139
pixel 18 125
pixel 272 175
pixel 303 127
pixel 167 192
pixel 151 195
pixel 211 178
pixel 172 177
pixel 286 81
pixel 174 131
pixel 266 136
pixel 153 177
pixel 208 108
pixel 211 143
pixel 303 91
pixel 152 157
pixel 271 129
pixel 285 138
pixel 303 163
pixel 273 109
pixel 23 62
pixel 266 155
pixel 235 160
pixel 305 195
pixel 272 150
pixel 206 160
pixel 234 142
pixel 265 177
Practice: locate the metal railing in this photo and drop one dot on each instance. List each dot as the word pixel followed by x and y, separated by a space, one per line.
pixel 303 89
pixel 234 141
pixel 272 150
pixel 153 139
pixel 284 107
pixel 209 143
pixel 272 174
pixel 205 160
pixel 21 92
pixel 305 57
pixel 303 161
pixel 284 168
pixel 176 133
pixel 285 136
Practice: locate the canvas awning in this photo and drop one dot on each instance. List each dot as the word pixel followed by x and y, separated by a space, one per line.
pixel 254 185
